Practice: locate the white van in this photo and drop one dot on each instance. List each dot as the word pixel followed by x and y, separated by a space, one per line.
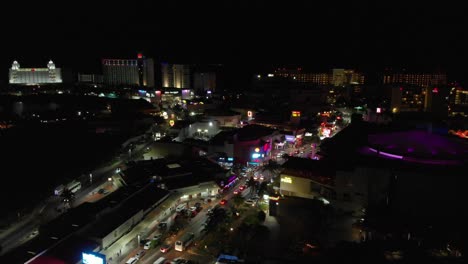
pixel 181 207
pixel 132 260
pixel 160 260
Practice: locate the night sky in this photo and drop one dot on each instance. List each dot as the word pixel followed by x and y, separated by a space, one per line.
pixel 244 36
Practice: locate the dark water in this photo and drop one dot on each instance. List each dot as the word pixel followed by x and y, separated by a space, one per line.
pixel 36 158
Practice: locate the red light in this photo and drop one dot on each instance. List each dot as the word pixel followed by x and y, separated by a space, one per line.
pixel 401 88
pixel 338 117
pixel 140 56
pixel 435 90
pixel 33 70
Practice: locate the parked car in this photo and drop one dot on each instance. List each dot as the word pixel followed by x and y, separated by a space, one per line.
pixel 197 205
pixel 162 225
pixel 147 245
pixel 132 260
pixel 143 242
pixel 140 254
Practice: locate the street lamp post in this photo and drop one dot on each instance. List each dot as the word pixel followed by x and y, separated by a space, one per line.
pixel 91 178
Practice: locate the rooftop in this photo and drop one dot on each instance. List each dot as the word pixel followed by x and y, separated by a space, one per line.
pixel 417 147
pixel 318 170
pixel 252 132
pixel 142 200
pixel 221 112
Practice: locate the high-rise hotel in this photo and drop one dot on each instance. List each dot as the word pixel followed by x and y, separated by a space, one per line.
pixel 176 75
pixel 418 79
pixel 337 77
pixel 133 72
pixel 34 76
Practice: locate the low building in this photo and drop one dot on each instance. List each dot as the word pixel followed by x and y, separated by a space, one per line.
pixel 345 187
pixel 113 225
pixel 253 143
pixel 225 118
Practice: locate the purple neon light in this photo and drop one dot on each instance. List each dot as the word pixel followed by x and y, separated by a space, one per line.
pixel 386 154
pixel 390 155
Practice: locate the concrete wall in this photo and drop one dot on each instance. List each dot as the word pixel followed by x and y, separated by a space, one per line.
pixel 299 187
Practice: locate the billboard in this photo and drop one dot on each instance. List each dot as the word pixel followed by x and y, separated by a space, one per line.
pixel 93 258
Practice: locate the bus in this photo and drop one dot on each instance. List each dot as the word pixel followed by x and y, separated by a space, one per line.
pixel 184 242
pixel 74 186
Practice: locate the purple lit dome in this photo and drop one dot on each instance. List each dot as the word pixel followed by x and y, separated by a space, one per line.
pixel 417 146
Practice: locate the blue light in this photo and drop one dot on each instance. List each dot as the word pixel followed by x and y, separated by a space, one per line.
pixel 93 258
pixel 230 159
pixel 255 155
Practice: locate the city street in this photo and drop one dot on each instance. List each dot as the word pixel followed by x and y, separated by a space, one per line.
pixel 128 246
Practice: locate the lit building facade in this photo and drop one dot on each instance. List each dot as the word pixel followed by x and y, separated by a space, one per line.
pixel 175 75
pixel 337 77
pixel 418 79
pixel 90 78
pixel 135 72
pixel 458 102
pixel 34 76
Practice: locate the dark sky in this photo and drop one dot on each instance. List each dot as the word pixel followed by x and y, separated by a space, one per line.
pixel 250 34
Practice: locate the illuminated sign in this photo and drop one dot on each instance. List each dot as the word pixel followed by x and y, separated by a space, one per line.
pixel 255 155
pixel 249 113
pixel 296 114
pixel 286 180
pixel 308 134
pixel 171 122
pixel 435 90
pixel 290 138
pixel 378 110
pixel 273 198
pixel 271 75
pixel 257 149
pixel 93 258
pixel 140 56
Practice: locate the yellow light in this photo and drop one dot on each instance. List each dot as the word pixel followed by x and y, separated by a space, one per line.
pixel 257 149
pixel 171 122
pixel 394 110
pixel 286 180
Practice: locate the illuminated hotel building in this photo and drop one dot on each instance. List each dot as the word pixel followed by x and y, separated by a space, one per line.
pixel 418 79
pixel 135 72
pixel 337 77
pixel 458 102
pixel 175 75
pixel 34 76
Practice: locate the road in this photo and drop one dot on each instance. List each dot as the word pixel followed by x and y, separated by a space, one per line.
pixel 47 209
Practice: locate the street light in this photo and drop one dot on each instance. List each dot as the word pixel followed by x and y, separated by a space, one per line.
pixel 91 178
